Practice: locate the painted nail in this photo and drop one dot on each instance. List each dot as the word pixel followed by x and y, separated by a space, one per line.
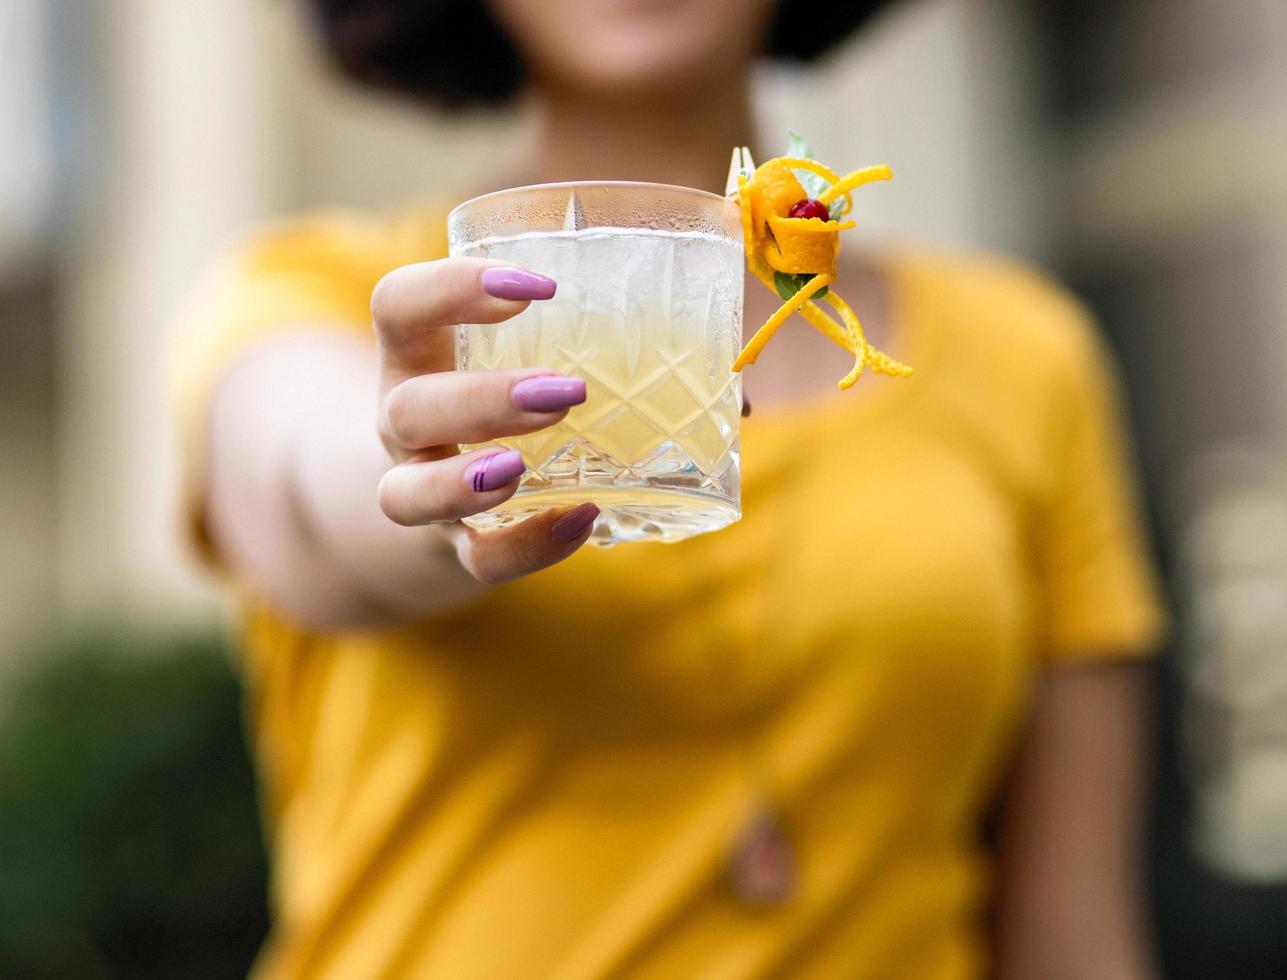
pixel 573 524
pixel 495 470
pixel 508 283
pixel 548 393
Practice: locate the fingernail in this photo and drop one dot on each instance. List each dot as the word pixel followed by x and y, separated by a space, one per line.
pixel 548 393
pixel 508 283
pixel 572 525
pixel 495 470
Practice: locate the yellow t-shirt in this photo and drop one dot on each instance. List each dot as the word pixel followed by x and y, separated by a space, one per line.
pixel 548 782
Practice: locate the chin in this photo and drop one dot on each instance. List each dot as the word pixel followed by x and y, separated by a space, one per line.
pixel 642 69
pixel 634 46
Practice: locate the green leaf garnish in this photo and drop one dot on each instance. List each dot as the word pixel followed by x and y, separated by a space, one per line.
pixel 789 283
pixel 839 208
pixel 796 147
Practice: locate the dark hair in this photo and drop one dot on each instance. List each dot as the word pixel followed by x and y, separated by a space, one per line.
pixel 452 53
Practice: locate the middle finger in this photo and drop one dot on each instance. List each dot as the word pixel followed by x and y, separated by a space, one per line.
pixel 475 406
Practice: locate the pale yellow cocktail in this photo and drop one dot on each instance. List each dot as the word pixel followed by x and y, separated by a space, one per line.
pixel 651 319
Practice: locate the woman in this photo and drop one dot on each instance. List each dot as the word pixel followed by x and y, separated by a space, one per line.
pixel 770 750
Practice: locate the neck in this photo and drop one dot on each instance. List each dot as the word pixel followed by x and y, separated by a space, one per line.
pixel 670 139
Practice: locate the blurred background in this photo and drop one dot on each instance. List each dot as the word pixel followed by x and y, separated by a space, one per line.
pixel 1136 147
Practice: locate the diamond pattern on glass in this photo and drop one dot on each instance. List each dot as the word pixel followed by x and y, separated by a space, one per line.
pixel 651 321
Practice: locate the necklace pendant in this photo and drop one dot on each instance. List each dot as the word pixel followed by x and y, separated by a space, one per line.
pixel 763 866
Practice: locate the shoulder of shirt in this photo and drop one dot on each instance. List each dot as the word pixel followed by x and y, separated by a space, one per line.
pixel 327 259
pixel 346 242
pixel 1010 360
pixel 999 315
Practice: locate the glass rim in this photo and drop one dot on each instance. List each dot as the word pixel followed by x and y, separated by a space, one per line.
pixel 567 184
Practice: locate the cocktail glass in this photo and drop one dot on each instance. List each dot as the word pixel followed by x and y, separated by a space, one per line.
pixel 649 312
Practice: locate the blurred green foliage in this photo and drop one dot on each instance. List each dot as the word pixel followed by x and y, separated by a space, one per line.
pixel 129 836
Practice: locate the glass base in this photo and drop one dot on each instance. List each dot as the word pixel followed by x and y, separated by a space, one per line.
pixel 627 513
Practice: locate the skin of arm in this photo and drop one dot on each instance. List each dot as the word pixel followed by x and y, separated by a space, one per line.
pixel 295 461
pixel 1069 903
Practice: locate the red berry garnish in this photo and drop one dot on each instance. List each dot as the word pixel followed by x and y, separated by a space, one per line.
pixel 809 208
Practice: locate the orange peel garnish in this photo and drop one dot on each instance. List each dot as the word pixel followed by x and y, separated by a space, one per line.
pixel 776 243
pixel 772 189
pixel 850 182
pixel 762 336
pixel 805 245
pixel 813 166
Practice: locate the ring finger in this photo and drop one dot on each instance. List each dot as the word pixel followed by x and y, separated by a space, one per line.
pixel 430 492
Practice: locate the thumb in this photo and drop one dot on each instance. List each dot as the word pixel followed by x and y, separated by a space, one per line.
pixel 511 552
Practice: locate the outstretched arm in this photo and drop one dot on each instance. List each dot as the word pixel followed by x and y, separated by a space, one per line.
pixel 335 487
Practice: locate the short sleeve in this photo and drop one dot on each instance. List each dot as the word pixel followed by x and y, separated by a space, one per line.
pixel 1100 593
pixel 312 273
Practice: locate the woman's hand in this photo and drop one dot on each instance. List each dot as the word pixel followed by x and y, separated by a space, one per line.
pixel 427 408
pixel 300 490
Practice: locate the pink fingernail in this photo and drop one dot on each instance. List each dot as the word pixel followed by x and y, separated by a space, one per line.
pixel 495 470
pixel 548 393
pixel 573 524
pixel 506 283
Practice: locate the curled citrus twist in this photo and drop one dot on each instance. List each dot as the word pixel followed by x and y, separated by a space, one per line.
pixel 780 245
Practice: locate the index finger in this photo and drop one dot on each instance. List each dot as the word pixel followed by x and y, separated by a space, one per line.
pixel 413 304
